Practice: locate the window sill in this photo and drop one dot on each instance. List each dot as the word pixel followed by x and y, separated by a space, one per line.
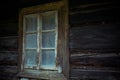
pixel 48 75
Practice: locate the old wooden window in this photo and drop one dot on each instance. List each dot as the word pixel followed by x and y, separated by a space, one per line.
pixel 43 42
pixel 40 40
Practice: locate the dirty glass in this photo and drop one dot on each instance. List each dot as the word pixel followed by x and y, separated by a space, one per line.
pixel 24 79
pixel 48 21
pixel 30 58
pixel 48 40
pixel 48 58
pixel 31 41
pixel 31 23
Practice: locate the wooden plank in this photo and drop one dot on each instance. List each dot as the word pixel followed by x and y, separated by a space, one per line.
pixel 9 43
pixel 47 75
pixel 8 69
pixel 24 3
pixel 89 16
pixel 8 72
pixel 92 12
pixel 113 6
pixel 86 5
pixel 65 38
pixel 73 3
pixel 8 58
pixel 104 37
pixel 78 74
pixel 100 61
pixel 42 8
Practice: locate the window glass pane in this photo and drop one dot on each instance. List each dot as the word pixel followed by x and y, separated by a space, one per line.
pixel 31 23
pixel 30 79
pixel 48 40
pixel 48 58
pixel 48 21
pixel 31 41
pixel 24 79
pixel 30 58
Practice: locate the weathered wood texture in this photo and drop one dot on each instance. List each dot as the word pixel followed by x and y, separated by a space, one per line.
pixel 8 57
pixel 78 74
pixel 94 40
pixel 102 37
pixel 94 12
pixel 8 48
pixel 9 35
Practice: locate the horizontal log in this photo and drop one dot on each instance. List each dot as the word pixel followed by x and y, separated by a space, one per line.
pixel 93 16
pixel 79 74
pixel 42 75
pixel 95 37
pixel 90 54
pixel 94 68
pixel 9 43
pixel 8 58
pixel 8 69
pixel 24 3
pixel 86 3
pixel 92 12
pixel 93 7
pixel 100 61
pixel 8 72
pixel 90 5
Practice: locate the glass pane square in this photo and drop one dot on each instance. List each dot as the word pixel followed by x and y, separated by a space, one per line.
pixel 48 58
pixel 48 40
pixel 30 58
pixel 24 79
pixel 31 23
pixel 31 41
pixel 48 21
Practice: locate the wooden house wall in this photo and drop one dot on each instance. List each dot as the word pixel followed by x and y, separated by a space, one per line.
pixel 8 50
pixel 9 35
pixel 8 40
pixel 93 39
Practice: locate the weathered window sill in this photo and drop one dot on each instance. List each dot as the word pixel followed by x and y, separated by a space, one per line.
pixel 48 75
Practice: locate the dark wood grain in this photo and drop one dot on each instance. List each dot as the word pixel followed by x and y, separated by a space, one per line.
pixel 95 37
pixel 94 40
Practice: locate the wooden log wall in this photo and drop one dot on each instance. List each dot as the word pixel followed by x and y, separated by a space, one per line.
pixel 8 50
pixel 9 35
pixel 8 40
pixel 94 40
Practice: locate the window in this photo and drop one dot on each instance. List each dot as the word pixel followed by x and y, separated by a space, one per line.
pixel 31 79
pixel 40 40
pixel 43 47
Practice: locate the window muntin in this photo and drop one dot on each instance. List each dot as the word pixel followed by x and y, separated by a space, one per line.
pixel 40 40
